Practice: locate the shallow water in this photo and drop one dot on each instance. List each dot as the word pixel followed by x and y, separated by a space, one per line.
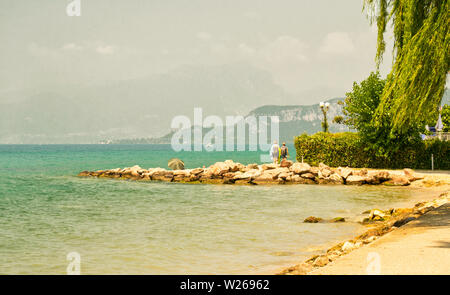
pixel 161 228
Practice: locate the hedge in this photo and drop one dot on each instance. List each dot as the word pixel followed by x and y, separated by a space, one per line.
pixel 347 149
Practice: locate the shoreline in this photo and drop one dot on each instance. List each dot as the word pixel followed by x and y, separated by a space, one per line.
pixel 351 255
pixel 428 185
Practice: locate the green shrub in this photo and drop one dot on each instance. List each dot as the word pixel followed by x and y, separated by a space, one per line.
pixel 348 149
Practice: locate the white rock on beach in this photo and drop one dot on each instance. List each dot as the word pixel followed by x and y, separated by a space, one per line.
pixel 348 246
pixel 355 180
pixel 251 174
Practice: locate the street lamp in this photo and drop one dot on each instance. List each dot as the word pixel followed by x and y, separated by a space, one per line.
pixel 324 106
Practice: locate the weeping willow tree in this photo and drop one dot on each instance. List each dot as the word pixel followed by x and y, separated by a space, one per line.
pixel 416 84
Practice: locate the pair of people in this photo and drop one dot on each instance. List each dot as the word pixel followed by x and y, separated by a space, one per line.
pixel 278 153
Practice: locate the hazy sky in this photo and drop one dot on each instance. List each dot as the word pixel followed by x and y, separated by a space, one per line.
pixel 315 48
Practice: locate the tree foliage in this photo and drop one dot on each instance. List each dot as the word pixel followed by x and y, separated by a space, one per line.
pixel 348 149
pixel 360 104
pixel 359 110
pixel 416 84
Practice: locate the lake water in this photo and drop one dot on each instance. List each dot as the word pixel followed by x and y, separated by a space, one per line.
pixel 133 227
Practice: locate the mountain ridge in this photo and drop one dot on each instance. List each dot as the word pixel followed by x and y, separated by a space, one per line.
pixel 294 120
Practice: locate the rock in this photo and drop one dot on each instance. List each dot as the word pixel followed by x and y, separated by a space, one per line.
pixel 312 219
pixel 181 172
pixel 300 180
pixel 336 178
pixel 322 166
pixel 377 215
pixel 338 219
pixel 243 181
pixel 146 176
pixel 369 240
pixel 286 163
pixel 411 175
pixel 324 181
pixel 397 180
pixel 324 173
pixel 332 179
pixel 355 180
pixel 402 211
pixel 420 204
pixel 300 168
pixel 422 210
pixel 252 166
pixel 300 269
pixel 182 178
pixel 344 172
pixel 284 175
pixel 265 178
pixel 157 171
pixel 408 172
pixel 233 167
pixel 333 256
pixel 320 261
pixel 232 174
pixel 268 166
pixel 404 221
pixel 161 174
pixel 276 172
pixel 308 176
pixel 251 174
pixel 244 169
pixel 362 172
pixel 377 177
pixel 218 169
pixel 366 221
pixel 197 171
pixel 382 176
pixel 348 246
pixel 314 171
pixel 132 172
pixel 194 177
pixel 135 173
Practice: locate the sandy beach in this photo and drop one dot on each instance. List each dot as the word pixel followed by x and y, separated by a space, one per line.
pixel 419 246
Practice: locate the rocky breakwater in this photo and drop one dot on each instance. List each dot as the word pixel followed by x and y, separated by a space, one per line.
pixel 230 172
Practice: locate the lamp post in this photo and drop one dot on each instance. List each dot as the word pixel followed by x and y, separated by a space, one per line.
pixel 324 106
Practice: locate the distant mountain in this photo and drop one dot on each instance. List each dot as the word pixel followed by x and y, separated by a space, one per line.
pixel 294 120
pixel 134 108
pixel 139 109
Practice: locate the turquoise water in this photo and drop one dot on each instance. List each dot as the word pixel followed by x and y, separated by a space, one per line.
pixel 135 227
